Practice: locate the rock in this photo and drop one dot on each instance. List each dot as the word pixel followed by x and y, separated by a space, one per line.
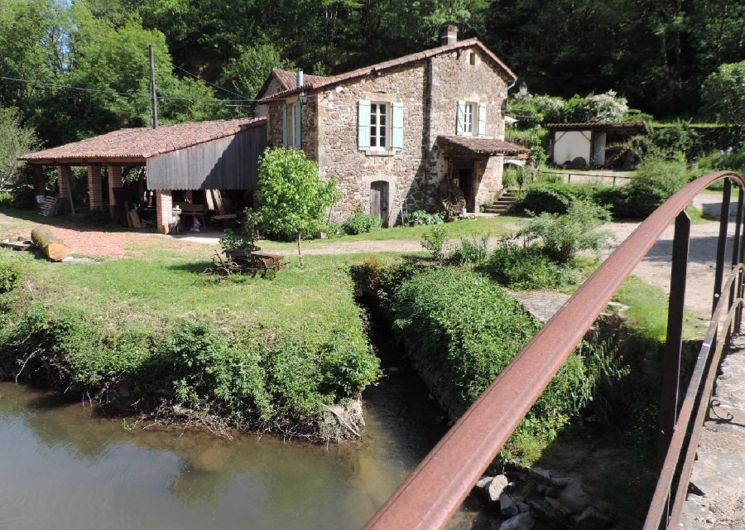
pixel 524 521
pixel 574 497
pixel 592 519
pixel 484 482
pixel 541 476
pixel 507 506
pixel 497 486
pixel 551 511
pixel 522 507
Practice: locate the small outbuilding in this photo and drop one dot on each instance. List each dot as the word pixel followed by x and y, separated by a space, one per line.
pixel 582 145
pixel 173 171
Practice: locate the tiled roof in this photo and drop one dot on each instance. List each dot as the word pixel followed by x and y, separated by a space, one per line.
pixel 139 144
pixel 288 79
pixel 311 86
pixel 598 125
pixel 481 146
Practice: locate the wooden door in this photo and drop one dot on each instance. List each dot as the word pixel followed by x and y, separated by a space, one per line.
pixel 465 183
pixel 379 200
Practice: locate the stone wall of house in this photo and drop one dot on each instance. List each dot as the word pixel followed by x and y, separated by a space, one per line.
pixel 454 78
pixel 429 90
pixel 339 154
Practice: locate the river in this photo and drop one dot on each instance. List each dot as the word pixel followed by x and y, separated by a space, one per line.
pixel 65 468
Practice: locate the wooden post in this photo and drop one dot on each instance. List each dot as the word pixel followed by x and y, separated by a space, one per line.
pixel 115 181
pixel 65 185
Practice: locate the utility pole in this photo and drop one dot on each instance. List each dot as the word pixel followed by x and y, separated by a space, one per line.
pixel 153 95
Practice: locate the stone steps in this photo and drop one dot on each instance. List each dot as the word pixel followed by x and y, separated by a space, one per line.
pixel 503 204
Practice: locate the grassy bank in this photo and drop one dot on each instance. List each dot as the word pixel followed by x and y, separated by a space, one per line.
pixel 152 335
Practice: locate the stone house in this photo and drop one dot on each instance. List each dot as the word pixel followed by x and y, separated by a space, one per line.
pixel 402 134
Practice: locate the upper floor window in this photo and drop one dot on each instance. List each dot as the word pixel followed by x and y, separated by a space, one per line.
pixel 291 125
pixel 470 119
pixel 380 126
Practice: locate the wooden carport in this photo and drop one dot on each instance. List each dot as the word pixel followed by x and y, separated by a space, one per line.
pixel 221 154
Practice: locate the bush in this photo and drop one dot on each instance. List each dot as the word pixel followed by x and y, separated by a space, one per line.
pixel 461 331
pixel 6 199
pixel 434 243
pixel 527 267
pixel 561 237
pixel 361 223
pixel 10 277
pixel 471 251
pixel 420 217
pixel 555 197
pixel 244 240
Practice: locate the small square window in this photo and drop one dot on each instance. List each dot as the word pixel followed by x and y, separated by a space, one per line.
pixel 472 58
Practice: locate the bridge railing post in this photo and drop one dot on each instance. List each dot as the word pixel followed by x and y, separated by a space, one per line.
pixel 721 242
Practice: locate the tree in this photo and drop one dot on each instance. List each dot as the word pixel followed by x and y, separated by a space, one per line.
pixel 246 74
pixel 15 140
pixel 724 94
pixel 294 199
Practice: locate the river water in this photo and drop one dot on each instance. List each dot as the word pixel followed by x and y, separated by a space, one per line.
pixel 64 468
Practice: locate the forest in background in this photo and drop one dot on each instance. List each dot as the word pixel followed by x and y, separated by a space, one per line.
pixel 213 55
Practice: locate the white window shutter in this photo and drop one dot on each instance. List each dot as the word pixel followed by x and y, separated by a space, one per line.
pixel 482 119
pixel 398 126
pixel 284 125
pixel 297 119
pixel 460 119
pixel 363 124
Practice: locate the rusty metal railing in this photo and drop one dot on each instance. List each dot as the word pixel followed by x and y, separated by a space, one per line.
pixel 438 486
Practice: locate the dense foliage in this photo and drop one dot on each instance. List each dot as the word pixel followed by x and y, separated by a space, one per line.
pixel 527 267
pixel 463 334
pixel 15 140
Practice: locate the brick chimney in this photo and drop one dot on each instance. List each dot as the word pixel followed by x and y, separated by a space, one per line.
pixel 448 33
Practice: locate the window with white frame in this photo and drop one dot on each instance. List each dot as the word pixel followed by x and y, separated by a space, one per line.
pixel 471 115
pixel 468 115
pixel 378 125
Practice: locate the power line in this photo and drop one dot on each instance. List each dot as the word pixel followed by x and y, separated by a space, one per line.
pixel 115 92
pixel 210 84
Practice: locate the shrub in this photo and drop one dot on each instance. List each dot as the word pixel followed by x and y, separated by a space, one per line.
pixel 465 332
pixel 10 277
pixel 6 199
pixel 434 242
pixel 361 223
pixel 561 237
pixel 526 267
pixel 471 251
pixel 420 217
pixel 244 240
pixel 555 197
pixel 333 230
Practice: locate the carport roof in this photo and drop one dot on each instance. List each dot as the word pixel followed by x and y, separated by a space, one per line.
pixel 136 145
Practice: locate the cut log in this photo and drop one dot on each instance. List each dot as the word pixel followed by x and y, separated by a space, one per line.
pixel 54 249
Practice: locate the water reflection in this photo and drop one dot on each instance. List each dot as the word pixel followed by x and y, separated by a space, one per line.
pixel 64 468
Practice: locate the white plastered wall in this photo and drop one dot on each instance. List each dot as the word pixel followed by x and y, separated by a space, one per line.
pixel 569 145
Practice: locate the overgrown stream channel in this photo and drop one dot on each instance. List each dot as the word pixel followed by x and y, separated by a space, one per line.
pixel 66 468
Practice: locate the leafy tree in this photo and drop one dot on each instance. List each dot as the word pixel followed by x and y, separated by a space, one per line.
pixel 246 74
pixel 15 140
pixel 294 199
pixel 724 93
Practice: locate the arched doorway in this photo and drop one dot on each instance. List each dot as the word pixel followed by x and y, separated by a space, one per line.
pixel 379 200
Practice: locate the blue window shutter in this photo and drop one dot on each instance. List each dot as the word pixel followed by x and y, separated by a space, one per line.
pixel 460 118
pixel 297 118
pixel 482 119
pixel 284 125
pixel 398 126
pixel 363 124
